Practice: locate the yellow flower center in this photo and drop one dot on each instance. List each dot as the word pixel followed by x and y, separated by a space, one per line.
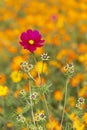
pixel 31 42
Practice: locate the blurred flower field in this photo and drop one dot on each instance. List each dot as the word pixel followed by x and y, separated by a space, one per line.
pixel 63 26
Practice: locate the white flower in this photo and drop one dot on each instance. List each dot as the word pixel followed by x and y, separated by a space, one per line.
pixel 78 106
pixel 34 96
pixel 45 57
pixel 23 92
pixel 25 66
pixel 69 68
pixel 81 100
pixel 21 118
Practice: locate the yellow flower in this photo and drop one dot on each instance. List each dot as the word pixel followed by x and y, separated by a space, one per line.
pixel 83 58
pixel 16 76
pixel 39 66
pixel 3 90
pixel 25 129
pixel 72 116
pixel 39 115
pixel 1 109
pixel 77 79
pixel 55 124
pixel 9 124
pixel 85 117
pixel 78 125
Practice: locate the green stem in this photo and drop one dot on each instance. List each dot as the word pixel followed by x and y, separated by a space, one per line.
pixel 31 105
pixel 37 69
pixel 46 104
pixel 64 101
pixel 29 75
pixel 3 105
pixel 40 83
pixel 47 111
pixel 26 123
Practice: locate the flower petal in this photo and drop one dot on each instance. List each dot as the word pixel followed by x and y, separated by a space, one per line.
pixel 36 35
pixel 31 48
pixel 39 45
pixel 41 41
pixel 22 43
pixel 24 37
pixel 29 33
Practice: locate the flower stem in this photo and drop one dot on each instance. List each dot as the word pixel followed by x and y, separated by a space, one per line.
pixel 31 105
pixel 47 111
pixel 45 100
pixel 67 81
pixel 35 60
pixel 31 77
pixel 40 83
pixel 3 105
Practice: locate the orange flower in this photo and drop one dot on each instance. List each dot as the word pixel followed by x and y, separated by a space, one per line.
pixel 58 95
pixel 12 49
pixel 16 93
pixel 37 82
pixel 26 88
pixel 15 65
pixel 55 124
pixel 1 109
pixel 55 64
pixel 72 101
pixel 66 53
pixel 2 78
pixel 77 79
pixel 25 129
pixel 73 116
pixel 55 40
pixel 82 48
pixel 66 38
pixel 39 51
pixel 19 110
pixel 83 92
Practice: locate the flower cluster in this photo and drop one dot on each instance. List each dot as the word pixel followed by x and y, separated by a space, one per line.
pixel 25 66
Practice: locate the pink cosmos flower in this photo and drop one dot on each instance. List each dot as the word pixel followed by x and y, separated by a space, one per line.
pixel 31 40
